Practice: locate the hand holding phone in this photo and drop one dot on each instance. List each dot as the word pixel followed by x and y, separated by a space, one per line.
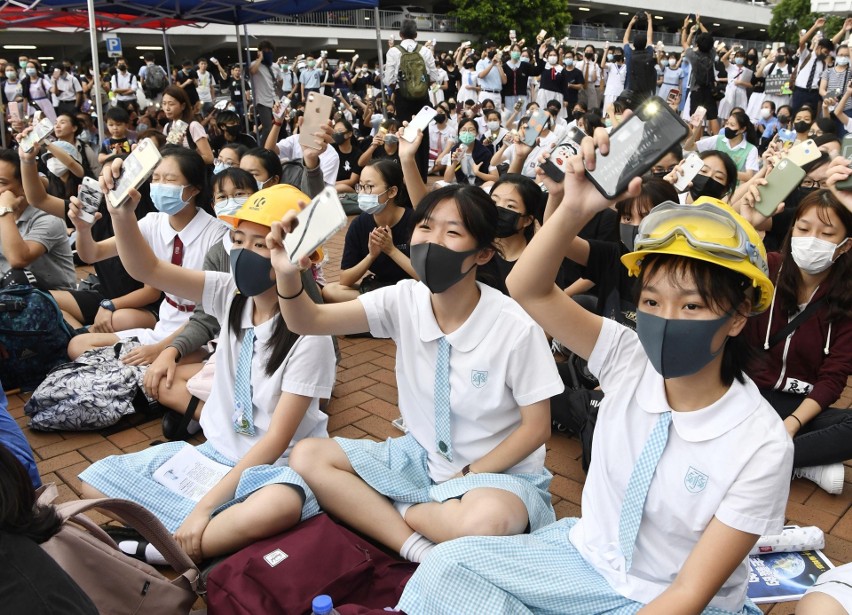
pixel 689 169
pixel 135 170
pixel 177 132
pixel 318 109
pixel 780 183
pixel 38 134
pixel 419 122
pixel 321 219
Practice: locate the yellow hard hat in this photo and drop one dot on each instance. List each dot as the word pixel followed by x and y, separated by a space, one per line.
pixel 708 230
pixel 269 205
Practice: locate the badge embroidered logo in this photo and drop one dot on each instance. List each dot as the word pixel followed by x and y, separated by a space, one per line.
pixel 695 480
pixel 478 378
pixel 275 557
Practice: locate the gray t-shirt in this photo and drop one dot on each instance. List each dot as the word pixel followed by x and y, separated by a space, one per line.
pixel 263 85
pixel 55 268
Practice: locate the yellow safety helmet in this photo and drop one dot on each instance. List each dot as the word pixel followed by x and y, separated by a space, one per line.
pixel 708 230
pixel 269 205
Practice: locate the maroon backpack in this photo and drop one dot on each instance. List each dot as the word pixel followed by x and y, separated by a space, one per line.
pixel 284 573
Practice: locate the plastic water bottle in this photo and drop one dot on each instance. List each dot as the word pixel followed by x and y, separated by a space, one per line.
pixel 323 605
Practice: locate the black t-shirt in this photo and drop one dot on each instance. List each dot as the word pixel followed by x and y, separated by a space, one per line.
pixel 234 86
pixel 380 153
pixel 572 77
pixel 603 226
pixel 113 277
pixel 191 91
pixel 348 163
pixel 495 272
pixel 613 285
pixel 33 583
pixel 217 142
pixel 452 91
pixel 355 247
pixel 480 154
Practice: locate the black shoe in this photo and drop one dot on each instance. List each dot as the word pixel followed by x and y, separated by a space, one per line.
pixel 176 425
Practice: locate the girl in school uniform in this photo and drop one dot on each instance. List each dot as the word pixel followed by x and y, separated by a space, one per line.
pixel 264 399
pixel 475 378
pixel 179 231
pixel 176 106
pixel 689 465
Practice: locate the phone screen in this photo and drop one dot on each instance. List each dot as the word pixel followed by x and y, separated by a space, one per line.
pixel 635 145
pixel 534 126
pixel 137 167
pixel 90 198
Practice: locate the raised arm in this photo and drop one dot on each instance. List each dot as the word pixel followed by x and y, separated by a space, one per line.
pixel 34 190
pixel 413 181
pixel 804 38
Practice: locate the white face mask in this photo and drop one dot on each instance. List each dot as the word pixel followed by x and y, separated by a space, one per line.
pixel 765 113
pixel 672 62
pixel 551 60
pixel 56 167
pixel 812 254
pixel 493 125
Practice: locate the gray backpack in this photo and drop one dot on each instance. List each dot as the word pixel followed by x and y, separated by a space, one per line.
pixel 93 392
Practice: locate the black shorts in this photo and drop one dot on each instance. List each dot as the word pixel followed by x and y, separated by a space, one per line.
pixel 704 99
pixel 89 302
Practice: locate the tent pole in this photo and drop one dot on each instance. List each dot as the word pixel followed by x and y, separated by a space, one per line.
pixel 248 62
pixel 168 60
pixel 96 69
pixel 242 78
pixel 381 61
pixel 3 127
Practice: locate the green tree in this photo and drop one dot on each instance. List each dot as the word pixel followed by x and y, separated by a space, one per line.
pixel 494 18
pixel 789 17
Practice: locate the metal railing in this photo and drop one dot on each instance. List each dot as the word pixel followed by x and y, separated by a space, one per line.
pixel 365 18
pixel 670 39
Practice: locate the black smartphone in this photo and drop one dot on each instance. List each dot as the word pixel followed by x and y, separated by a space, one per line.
pixel 636 145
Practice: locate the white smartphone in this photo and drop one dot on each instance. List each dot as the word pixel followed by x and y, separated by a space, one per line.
pixel 419 122
pixel 177 131
pixel 137 168
pixel 90 197
pixel 542 33
pixel 691 167
pixel 316 224
pixel 282 108
pixel 318 109
pixel 39 132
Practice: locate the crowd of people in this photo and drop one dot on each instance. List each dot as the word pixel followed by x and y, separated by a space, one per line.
pixel 719 333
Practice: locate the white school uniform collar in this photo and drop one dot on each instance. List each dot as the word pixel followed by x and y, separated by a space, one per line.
pixel 472 332
pixel 735 406
pixel 190 232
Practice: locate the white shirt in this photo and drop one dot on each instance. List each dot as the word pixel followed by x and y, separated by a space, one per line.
pixel 308 370
pixel 615 75
pixel 124 81
pixel 546 144
pixel 290 149
pixel 196 130
pixel 394 55
pixel 68 86
pixel 446 133
pixel 594 72
pixel 204 89
pixel 806 64
pixel 198 236
pixel 499 361
pixel 731 460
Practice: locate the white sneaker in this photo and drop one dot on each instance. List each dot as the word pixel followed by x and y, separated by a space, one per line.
pixel 828 477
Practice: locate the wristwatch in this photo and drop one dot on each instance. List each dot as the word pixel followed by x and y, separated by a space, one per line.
pixel 6 210
pixel 108 305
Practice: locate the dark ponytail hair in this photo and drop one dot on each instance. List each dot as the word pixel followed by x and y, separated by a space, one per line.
pixel 19 513
pixel 280 342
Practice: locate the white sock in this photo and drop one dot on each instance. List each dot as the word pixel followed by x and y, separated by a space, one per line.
pixel 193 427
pixel 416 548
pixel 402 508
pixel 152 556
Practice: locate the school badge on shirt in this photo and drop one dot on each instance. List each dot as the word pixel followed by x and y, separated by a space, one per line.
pixel 695 480
pixel 478 378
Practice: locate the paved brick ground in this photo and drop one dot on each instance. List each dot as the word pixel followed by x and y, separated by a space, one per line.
pixel 363 406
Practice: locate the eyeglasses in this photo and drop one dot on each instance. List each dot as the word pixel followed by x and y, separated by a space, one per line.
pixel 657 170
pixel 811 183
pixel 228 164
pixel 365 188
pixel 705 227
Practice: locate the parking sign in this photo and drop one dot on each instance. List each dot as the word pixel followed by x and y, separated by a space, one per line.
pixel 113 45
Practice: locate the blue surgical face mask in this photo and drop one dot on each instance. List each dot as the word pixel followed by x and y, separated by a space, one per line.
pixel 219 167
pixel 261 184
pixel 739 61
pixel 229 206
pixel 168 198
pixel 678 348
pixel 369 203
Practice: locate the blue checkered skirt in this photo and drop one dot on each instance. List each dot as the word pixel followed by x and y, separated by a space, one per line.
pixel 397 468
pixel 130 477
pixel 540 573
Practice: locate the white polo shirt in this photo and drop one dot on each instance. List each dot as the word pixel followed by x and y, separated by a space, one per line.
pixel 731 460
pixel 198 236
pixel 290 149
pixel 308 370
pixel 499 361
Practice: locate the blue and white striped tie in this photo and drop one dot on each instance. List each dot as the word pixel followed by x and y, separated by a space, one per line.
pixel 443 436
pixel 243 407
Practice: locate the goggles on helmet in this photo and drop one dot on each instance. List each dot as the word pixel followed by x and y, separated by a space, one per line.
pixel 705 227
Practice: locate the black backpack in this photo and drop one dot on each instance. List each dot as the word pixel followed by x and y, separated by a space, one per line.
pixel 155 80
pixel 641 73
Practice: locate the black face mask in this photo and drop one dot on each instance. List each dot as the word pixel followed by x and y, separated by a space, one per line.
pixel 704 185
pixel 338 137
pixel 440 118
pixel 577 114
pixel 730 133
pixel 232 130
pixel 507 222
pixel 801 127
pixel 628 233
pixel 589 55
pixel 780 59
pixel 783 118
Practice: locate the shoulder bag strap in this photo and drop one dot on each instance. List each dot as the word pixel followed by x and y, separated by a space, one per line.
pixel 801 317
